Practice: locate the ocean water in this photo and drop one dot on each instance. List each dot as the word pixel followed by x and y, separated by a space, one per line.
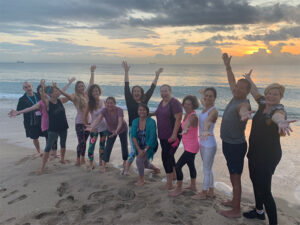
pixel 184 79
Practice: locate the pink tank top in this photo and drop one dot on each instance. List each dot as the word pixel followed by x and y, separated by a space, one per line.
pixel 45 117
pixel 190 140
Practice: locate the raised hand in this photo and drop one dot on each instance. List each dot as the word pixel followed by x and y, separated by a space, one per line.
pixel 204 135
pixel 125 66
pixel 13 113
pixel 284 127
pixel 247 76
pixel 226 59
pixel 42 82
pixel 71 80
pixel 159 71
pixel 246 115
pixel 93 68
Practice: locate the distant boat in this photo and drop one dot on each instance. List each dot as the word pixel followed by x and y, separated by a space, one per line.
pixel 20 61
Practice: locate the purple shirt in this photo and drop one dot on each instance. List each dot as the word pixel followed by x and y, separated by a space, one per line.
pixel 163 115
pixel 112 119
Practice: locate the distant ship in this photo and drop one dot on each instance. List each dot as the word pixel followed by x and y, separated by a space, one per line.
pixel 20 61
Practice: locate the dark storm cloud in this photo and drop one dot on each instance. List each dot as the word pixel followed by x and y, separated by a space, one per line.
pixel 113 14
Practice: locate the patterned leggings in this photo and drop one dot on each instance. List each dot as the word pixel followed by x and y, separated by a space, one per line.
pixel 93 140
pixel 82 136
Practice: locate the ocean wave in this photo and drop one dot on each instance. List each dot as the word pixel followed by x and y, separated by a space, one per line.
pixel 9 96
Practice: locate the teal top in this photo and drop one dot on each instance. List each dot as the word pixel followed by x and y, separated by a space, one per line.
pixel 151 136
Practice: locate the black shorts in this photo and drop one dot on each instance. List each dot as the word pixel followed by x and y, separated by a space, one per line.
pixel 34 132
pixel 234 155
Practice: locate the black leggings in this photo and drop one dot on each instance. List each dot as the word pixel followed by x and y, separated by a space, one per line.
pixel 189 159
pixel 261 177
pixel 110 143
pixel 167 156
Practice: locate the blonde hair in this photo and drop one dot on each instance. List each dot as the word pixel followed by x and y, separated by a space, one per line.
pixel 80 100
pixel 277 86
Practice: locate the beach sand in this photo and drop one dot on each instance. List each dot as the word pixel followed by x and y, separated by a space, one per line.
pixel 67 194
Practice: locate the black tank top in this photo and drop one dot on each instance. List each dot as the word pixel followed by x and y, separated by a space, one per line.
pixel 264 140
pixel 57 117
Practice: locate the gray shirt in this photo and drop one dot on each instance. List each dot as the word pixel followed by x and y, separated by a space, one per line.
pixel 232 128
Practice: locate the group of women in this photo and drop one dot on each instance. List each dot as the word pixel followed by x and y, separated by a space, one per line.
pixel 104 119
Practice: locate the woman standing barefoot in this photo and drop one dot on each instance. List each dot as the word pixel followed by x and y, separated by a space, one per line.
pixel 95 105
pixel 190 142
pixel 58 125
pixel 208 144
pixel 80 101
pixel 116 126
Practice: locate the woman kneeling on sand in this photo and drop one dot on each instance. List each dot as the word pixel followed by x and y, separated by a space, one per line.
pixel 144 138
pixel 190 143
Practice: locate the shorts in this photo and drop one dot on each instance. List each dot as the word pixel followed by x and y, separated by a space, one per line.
pixel 234 155
pixel 34 132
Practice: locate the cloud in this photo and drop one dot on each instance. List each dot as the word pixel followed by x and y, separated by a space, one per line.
pixel 216 40
pixel 282 34
pixel 113 14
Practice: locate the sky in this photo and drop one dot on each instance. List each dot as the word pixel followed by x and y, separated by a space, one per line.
pixel 150 31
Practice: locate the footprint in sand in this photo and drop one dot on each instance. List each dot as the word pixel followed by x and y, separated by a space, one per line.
pixel 8 220
pixel 10 193
pixel 96 195
pixel 2 189
pixel 20 198
pixel 23 160
pixel 63 189
pixel 63 203
pixel 89 208
pixel 126 194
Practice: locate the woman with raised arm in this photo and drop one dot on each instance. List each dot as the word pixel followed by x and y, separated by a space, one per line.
pixel 80 101
pixel 208 145
pixel 144 138
pixel 40 105
pixel 94 108
pixel 264 154
pixel 116 126
pixel 58 124
pixel 169 115
pixel 190 142
pixel 133 99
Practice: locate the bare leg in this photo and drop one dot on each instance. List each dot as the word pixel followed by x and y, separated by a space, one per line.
pixel 77 161
pixel 140 182
pixel 174 174
pixel 211 193
pixel 235 212
pixel 62 157
pixel 103 169
pixel 169 184
pixel 127 167
pixel 37 146
pixel 45 159
pixel 178 189
pixel 192 187
pixel 82 160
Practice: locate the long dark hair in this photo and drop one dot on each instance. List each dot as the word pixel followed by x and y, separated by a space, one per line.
pixel 92 101
pixel 142 91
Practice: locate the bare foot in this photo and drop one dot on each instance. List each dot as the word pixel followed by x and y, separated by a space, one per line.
pixel 37 155
pixel 103 169
pixel 234 213
pixel 200 196
pixel 228 203
pixel 166 187
pixel 176 192
pixel 211 195
pixel 191 188
pixel 77 162
pixel 140 183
